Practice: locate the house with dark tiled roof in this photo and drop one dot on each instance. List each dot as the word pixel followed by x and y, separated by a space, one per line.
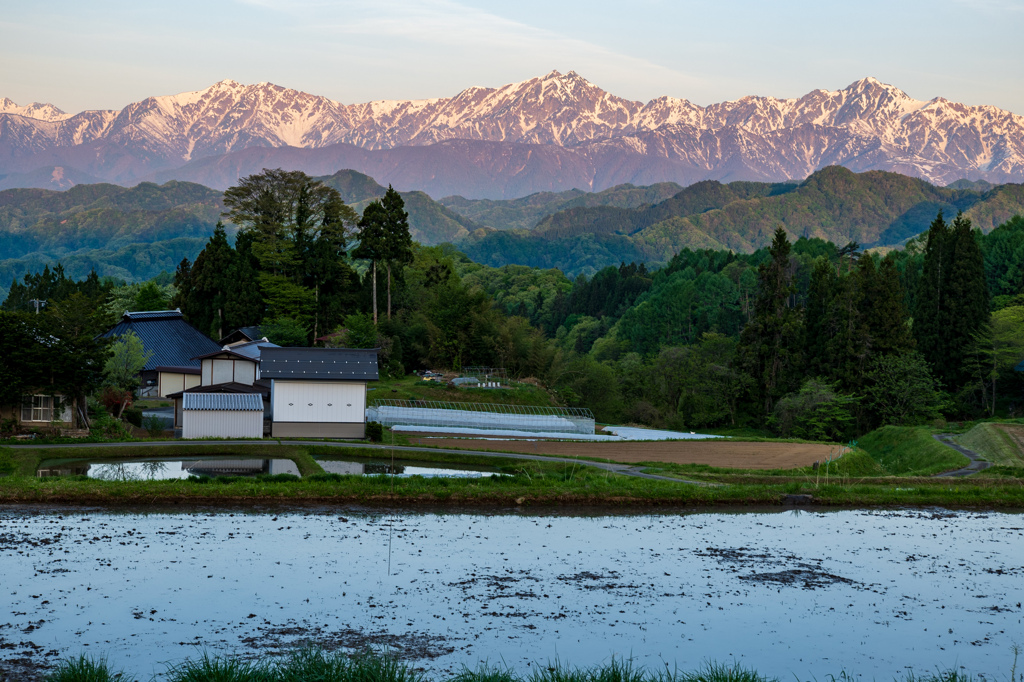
pixel 174 344
pixel 242 335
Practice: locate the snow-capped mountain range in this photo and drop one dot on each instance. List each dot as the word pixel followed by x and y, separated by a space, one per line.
pixel 554 132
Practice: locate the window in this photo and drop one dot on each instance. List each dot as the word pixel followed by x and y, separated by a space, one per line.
pixel 37 408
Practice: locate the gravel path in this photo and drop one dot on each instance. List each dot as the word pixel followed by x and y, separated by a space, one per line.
pixel 977 463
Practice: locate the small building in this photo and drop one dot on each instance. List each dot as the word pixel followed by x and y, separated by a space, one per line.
pixel 222 415
pixel 234 371
pixel 318 392
pixel 41 408
pixel 174 344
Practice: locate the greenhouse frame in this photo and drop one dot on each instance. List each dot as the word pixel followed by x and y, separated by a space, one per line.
pixel 442 414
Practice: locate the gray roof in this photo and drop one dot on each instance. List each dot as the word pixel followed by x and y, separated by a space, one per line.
pixel 344 364
pixel 172 340
pixel 252 349
pixel 222 401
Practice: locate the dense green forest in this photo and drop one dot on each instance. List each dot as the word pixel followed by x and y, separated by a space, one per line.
pixel 800 337
pixel 835 204
pixel 136 233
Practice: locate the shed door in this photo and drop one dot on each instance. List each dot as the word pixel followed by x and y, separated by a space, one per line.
pixel 318 401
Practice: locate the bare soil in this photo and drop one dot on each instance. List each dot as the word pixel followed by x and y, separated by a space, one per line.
pixel 731 455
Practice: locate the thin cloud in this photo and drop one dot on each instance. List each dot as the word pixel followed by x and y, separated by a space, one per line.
pixel 993 6
pixel 440 31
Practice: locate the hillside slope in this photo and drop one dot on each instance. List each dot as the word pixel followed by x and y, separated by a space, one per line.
pixel 835 204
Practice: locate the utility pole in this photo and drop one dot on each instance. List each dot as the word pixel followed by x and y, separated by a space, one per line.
pixel 38 303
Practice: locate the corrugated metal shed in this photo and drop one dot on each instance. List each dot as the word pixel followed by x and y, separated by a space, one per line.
pixel 345 364
pixel 172 340
pixel 222 401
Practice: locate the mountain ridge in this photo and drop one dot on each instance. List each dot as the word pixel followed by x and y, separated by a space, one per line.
pixel 591 137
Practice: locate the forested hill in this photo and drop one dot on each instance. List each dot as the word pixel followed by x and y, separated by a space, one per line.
pixel 873 209
pixel 526 212
pixel 135 233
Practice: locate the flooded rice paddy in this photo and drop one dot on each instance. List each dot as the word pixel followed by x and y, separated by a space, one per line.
pixel 404 468
pixel 158 469
pixel 790 593
pixel 155 469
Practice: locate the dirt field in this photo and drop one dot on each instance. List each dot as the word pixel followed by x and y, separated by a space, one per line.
pixel 731 455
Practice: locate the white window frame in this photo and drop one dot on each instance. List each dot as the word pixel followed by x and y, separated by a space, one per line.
pixel 37 408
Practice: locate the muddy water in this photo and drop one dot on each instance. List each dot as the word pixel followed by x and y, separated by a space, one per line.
pixel 790 593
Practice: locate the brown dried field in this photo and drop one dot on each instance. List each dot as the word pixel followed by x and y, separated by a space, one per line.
pixel 732 455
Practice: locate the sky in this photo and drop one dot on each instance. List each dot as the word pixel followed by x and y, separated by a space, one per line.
pixel 105 54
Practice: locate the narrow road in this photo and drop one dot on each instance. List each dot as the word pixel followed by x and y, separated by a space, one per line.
pixel 624 469
pixel 977 463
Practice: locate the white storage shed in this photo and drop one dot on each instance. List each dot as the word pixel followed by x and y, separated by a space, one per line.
pixel 222 415
pixel 318 392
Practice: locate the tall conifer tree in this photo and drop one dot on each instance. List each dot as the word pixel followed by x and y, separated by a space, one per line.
pixel 398 241
pixel 244 305
pixel 771 343
pixel 886 310
pixel 373 237
pixel 817 332
pixel 930 310
pixel 968 300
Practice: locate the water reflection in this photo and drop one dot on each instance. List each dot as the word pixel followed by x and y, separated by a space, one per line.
pixel 166 469
pixel 405 468
pixel 130 471
pixel 798 596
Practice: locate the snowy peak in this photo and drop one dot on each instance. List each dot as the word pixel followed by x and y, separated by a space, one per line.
pixel 868 124
pixel 40 112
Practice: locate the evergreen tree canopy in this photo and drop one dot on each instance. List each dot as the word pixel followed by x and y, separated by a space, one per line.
pixel 952 300
pixel 771 341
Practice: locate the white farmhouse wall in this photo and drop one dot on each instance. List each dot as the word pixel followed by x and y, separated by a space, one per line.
pixel 245 372
pixel 223 371
pixel 319 401
pixel 222 424
pixel 172 382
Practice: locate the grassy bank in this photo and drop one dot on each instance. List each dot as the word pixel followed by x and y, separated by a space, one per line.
pixel 526 483
pixel 991 441
pixel 910 451
pixel 315 665
pixel 893 469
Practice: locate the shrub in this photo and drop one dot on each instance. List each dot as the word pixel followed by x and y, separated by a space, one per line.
pixel 106 426
pixel 133 416
pixel 154 425
pixel 8 427
pixel 7 463
pixel 374 432
pixel 817 412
